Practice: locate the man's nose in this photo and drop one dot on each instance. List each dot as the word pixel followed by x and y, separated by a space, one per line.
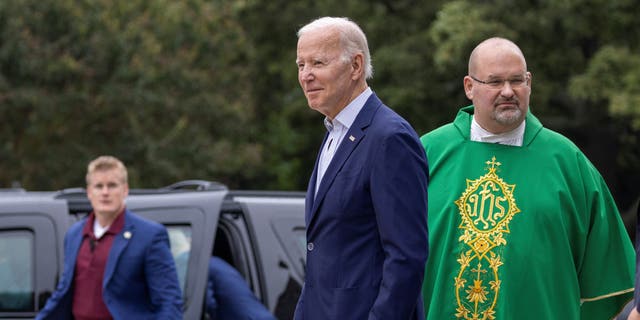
pixel 507 89
pixel 306 74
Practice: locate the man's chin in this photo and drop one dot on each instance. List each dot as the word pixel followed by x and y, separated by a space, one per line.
pixel 108 211
pixel 509 116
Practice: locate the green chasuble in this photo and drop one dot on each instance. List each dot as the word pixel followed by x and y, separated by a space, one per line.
pixel 528 232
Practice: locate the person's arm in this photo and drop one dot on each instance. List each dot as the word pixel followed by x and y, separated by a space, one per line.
pixel 162 278
pixel 399 190
pixel 233 294
pixel 299 312
pixel 210 298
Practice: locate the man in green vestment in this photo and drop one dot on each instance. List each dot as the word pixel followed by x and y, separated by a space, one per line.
pixel 521 224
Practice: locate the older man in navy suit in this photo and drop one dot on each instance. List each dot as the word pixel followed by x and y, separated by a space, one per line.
pixel 366 205
pixel 117 264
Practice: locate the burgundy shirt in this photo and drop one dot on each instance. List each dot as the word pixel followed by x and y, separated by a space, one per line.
pixel 90 265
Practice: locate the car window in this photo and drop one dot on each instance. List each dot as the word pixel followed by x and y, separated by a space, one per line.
pixel 292 237
pixel 180 239
pixel 301 237
pixel 16 271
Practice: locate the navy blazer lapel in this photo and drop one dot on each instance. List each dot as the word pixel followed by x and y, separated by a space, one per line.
pixel 353 137
pixel 120 242
pixel 75 241
pixel 311 188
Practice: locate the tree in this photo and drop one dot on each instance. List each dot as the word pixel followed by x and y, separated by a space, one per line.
pixel 208 89
pixel 163 85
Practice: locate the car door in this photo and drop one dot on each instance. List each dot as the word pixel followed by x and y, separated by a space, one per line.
pixel 32 232
pixel 191 218
pixel 277 228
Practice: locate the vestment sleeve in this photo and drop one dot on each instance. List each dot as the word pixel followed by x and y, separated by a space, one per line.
pixel 606 275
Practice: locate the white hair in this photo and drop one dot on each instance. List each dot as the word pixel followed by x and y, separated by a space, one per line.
pixel 352 39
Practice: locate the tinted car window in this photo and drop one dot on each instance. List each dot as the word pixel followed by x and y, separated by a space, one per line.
pixel 180 239
pixel 16 271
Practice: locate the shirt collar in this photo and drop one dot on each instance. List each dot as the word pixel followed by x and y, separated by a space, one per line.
pixel 116 226
pixel 463 120
pixel 348 115
pixel 98 230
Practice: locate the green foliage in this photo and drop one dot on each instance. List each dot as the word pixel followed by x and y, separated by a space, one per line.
pixel 208 89
pixel 162 84
pixel 611 79
pixel 461 25
pixel 613 76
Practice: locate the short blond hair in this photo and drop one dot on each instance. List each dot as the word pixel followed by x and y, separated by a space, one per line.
pixel 105 163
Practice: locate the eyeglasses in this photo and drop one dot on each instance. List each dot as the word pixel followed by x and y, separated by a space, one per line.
pixel 499 83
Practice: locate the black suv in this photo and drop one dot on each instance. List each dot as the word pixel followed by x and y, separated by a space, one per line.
pixel 260 233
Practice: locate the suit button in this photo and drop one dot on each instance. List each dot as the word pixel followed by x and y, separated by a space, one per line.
pixel 310 246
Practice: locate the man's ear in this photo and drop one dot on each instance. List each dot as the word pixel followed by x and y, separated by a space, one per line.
pixel 357 66
pixel 468 86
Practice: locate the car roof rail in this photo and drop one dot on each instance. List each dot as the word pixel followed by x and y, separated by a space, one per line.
pixel 71 193
pixel 266 193
pixel 76 199
pixel 17 189
pixel 198 185
pixel 186 185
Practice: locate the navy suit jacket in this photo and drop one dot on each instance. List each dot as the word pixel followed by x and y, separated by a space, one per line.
pixel 229 297
pixel 140 279
pixel 367 240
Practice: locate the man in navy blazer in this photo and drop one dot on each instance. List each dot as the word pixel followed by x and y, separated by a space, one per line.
pixel 117 264
pixel 366 205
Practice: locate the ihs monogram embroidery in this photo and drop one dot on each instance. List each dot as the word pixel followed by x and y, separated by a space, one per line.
pixel 486 206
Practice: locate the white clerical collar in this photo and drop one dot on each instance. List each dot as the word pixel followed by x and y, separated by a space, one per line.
pixel 512 138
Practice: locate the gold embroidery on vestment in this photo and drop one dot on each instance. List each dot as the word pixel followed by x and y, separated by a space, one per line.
pixel 486 206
